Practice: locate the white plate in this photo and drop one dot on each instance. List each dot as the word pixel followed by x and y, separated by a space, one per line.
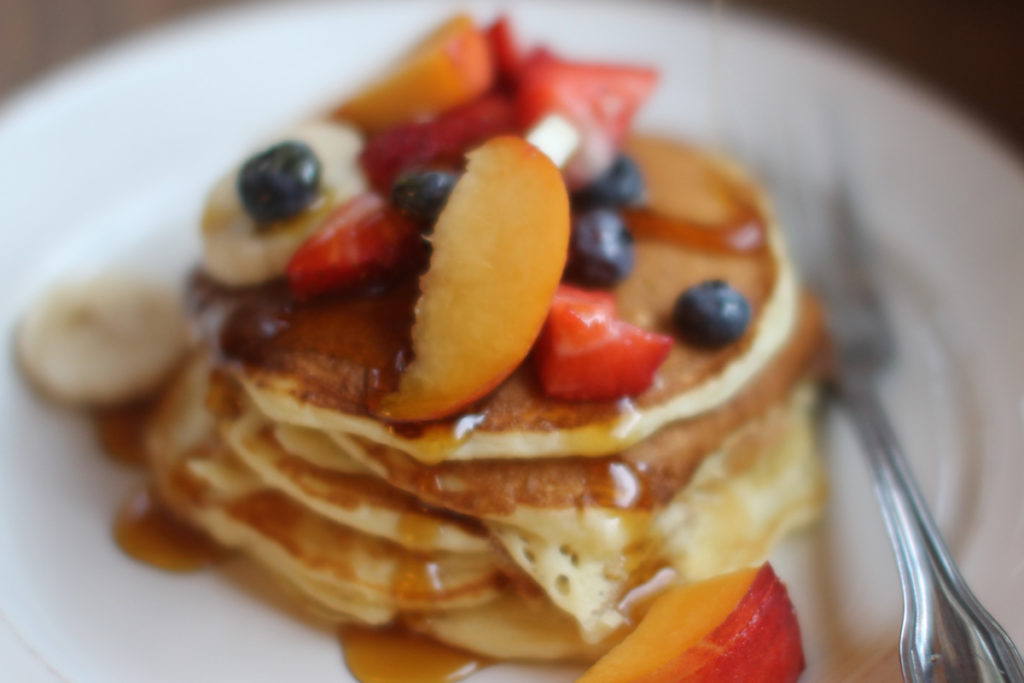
pixel 106 163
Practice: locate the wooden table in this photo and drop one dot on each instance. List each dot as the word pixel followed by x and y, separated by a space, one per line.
pixel 970 50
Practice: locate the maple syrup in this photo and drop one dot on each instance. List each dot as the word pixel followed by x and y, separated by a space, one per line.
pixel 121 429
pixel 393 655
pixel 418 530
pixel 416 577
pixel 148 532
pixel 743 234
pixel 694 201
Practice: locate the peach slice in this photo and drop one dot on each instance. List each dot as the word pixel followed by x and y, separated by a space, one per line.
pixel 452 66
pixel 500 246
pixel 735 627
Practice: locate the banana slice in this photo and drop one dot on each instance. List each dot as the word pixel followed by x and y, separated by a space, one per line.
pixel 103 341
pixel 236 252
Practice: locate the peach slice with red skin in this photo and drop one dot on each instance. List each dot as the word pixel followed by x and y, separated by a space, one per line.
pixel 734 627
pixel 450 67
pixel 499 248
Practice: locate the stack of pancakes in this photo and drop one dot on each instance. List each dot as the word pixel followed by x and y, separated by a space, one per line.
pixel 526 527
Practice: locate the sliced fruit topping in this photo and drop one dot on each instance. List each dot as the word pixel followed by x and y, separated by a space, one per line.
pixel 279 182
pixel 449 68
pixel 599 99
pixel 102 341
pixel 504 50
pixel 621 185
pixel 421 195
pixel 362 242
pixel 499 248
pixel 440 142
pixel 711 314
pixel 238 251
pixel 599 301
pixel 600 249
pixel 733 627
pixel 586 353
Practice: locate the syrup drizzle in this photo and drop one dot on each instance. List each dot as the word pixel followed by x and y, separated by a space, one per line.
pixel 393 655
pixel 121 429
pixel 148 532
pixel 418 530
pixel 416 577
pixel 743 234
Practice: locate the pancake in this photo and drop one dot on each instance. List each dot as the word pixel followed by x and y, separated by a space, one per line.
pixel 327 481
pixel 768 482
pixel 524 526
pixel 510 628
pixel 761 481
pixel 645 475
pixel 345 571
pixel 360 501
pixel 323 364
pixel 295 517
pixel 307 549
pixel 579 527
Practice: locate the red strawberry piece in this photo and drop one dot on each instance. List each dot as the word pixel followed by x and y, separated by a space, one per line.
pixel 441 142
pixel 505 49
pixel 604 301
pixel 362 241
pixel 600 99
pixel 586 353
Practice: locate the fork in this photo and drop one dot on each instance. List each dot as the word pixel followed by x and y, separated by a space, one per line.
pixel 947 635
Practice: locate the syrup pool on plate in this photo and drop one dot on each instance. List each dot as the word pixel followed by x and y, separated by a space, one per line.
pixel 148 532
pixel 396 656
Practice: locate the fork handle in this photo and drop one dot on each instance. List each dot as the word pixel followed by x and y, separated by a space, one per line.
pixel 946 635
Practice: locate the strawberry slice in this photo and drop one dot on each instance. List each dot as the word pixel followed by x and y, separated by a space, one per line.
pixel 505 50
pixel 442 141
pixel 586 353
pixel 600 99
pixel 363 241
pixel 601 300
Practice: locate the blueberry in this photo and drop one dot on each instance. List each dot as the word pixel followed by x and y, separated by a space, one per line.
pixel 600 249
pixel 621 185
pixel 711 314
pixel 420 195
pixel 279 182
